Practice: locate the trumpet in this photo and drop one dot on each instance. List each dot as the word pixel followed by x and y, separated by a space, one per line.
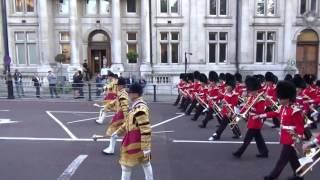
pixel 312 157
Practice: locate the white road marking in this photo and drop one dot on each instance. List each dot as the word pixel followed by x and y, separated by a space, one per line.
pixel 54 139
pixel 8 121
pixel 75 112
pixel 4 110
pixel 89 119
pixel 62 125
pixel 169 120
pixel 218 142
pixel 162 132
pixel 71 169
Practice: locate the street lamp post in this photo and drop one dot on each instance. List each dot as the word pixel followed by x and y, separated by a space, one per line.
pixel 186 61
pixel 6 59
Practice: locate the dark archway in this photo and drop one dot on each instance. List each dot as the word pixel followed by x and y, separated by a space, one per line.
pixel 307 52
pixel 99 50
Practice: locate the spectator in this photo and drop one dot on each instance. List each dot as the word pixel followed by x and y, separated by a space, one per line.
pixel 18 82
pixel 75 84
pixel 80 84
pixel 52 79
pixel 99 85
pixel 37 84
pixel 142 82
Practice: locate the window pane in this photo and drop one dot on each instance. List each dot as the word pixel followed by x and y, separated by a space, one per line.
pixel 223 35
pixel 271 36
pixel 64 36
pixel 303 6
pixel 164 36
pixel 259 52
pixel 175 36
pixel 132 36
pixel 91 6
pixel 212 53
pixel 260 7
pixel 213 7
pixel 164 6
pixel 164 53
pixel 132 47
pixel 260 35
pixel 31 36
pixel 32 54
pixel 223 7
pixel 19 5
pixel 104 6
pixel 271 7
pixel 313 5
pixel 212 36
pixel 174 6
pixel 131 6
pixel 66 50
pixel 64 7
pixel 20 36
pixel 270 52
pixel 30 5
pixel 175 53
pixel 223 53
pixel 20 53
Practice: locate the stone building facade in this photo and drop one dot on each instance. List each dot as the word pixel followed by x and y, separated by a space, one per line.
pixel 254 36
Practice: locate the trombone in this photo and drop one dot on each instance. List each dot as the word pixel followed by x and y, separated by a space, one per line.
pixel 312 157
pixel 202 102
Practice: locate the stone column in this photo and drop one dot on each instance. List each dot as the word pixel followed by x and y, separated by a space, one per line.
pixel 74 33
pixel 46 34
pixel 145 37
pixel 116 37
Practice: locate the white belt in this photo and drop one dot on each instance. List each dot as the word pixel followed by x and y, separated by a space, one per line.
pixel 288 127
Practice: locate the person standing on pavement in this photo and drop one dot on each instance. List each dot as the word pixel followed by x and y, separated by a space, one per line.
pixel 80 84
pixel 37 84
pixel 99 85
pixel 52 79
pixel 18 82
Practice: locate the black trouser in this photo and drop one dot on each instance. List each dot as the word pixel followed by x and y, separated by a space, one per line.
pixel 177 100
pixel 191 107
pixel 288 154
pixel 313 125
pixel 37 91
pixel 307 133
pixel 186 104
pixel 199 110
pixel 253 133
pixel 275 121
pixel 224 123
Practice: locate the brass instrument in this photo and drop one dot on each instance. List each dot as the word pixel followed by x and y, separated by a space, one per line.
pixel 248 108
pixel 275 106
pixel 202 102
pixel 217 109
pixel 234 117
pixel 312 157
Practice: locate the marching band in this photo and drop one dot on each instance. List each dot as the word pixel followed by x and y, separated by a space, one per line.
pixel 291 104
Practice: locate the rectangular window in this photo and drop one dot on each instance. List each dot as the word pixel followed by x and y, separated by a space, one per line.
pixel 164 36
pixel 174 6
pixel 313 5
pixel 218 47
pixel 64 36
pixel 65 47
pixel 30 5
pixel 105 6
pixel 260 7
pixel 26 48
pixel 19 5
pixel 303 6
pixel 24 6
pixel 266 7
pixel 132 36
pixel 91 7
pixel 265 47
pixel 20 53
pixel 164 53
pixel 63 7
pixel 32 54
pixel 132 47
pixel 164 6
pixel 308 6
pixel 271 7
pixel 131 6
pixel 218 7
pixel 175 53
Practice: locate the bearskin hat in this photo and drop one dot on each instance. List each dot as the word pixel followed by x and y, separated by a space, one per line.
pixel 260 78
pixel 121 81
pixel 309 78
pixel 288 77
pixel 222 77
pixel 230 80
pixel 203 78
pixel 318 83
pixel 286 90
pixel 252 83
pixel 196 75
pixel 299 82
pixel 181 75
pixel 213 76
pixel 275 79
pixel 238 77
pixel 136 88
pixel 190 77
pixel 269 76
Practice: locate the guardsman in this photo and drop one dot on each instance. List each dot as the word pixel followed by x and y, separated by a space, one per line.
pixel 310 93
pixel 110 96
pixel 291 129
pixel 214 96
pixel 240 87
pixel 120 116
pixel 180 86
pixel 271 95
pixel 136 144
pixel 185 99
pixel 255 106
pixel 229 101
pixel 192 102
pixel 201 96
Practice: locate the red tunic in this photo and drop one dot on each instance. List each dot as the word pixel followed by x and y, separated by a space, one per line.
pixel 256 109
pixel 232 100
pixel 271 93
pixel 291 119
pixel 213 95
pixel 318 138
pixel 240 88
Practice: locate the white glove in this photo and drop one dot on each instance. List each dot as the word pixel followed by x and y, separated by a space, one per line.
pixel 146 153
pixel 236 110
